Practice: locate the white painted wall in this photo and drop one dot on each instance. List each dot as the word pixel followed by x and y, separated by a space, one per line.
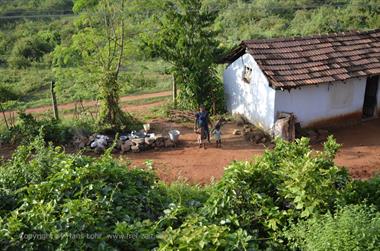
pixel 254 100
pixel 314 103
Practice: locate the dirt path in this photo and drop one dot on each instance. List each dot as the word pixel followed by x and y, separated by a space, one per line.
pixel 88 103
pixel 360 153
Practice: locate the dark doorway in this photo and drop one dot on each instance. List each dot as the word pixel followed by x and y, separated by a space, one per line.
pixel 370 99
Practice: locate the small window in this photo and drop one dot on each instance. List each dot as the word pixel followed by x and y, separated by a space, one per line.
pixel 247 74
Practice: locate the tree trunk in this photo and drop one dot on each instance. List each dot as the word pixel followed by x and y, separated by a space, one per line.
pixel 110 111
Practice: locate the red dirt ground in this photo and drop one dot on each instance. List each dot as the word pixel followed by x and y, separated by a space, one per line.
pixel 360 152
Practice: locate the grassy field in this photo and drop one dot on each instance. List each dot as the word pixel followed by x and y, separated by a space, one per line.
pixel 33 84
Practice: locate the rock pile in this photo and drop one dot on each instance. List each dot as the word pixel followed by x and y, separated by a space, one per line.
pixel 100 143
pixel 134 142
pixel 316 136
pixel 254 135
pixel 141 144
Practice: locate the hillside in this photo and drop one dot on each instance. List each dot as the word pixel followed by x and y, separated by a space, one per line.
pixel 33 33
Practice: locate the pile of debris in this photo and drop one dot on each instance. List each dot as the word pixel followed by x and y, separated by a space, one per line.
pixel 137 142
pixel 315 136
pixel 255 135
pixel 132 142
pixel 250 132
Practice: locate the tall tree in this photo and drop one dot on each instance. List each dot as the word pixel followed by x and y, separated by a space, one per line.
pixel 186 39
pixel 100 40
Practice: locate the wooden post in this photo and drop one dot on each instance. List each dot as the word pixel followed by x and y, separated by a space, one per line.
pixel 4 116
pixel 54 100
pixel 174 92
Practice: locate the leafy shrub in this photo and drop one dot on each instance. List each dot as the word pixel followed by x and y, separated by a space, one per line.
pixel 285 184
pixel 196 233
pixel 72 202
pixel 60 201
pixel 32 48
pixel 355 227
pixel 364 191
pixel 27 128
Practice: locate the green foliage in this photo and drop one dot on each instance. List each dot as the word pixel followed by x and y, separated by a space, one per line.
pixel 354 227
pixel 61 200
pixel 196 233
pixel 283 185
pixel 364 191
pixel 236 20
pixel 31 49
pixel 99 41
pixel 27 128
pixel 185 39
pixel 7 94
pixel 286 199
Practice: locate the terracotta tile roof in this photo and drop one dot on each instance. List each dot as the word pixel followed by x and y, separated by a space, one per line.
pixel 293 62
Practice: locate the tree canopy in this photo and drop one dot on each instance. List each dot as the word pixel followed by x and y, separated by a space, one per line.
pixel 185 38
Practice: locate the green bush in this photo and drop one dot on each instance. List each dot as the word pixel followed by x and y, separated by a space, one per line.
pixel 285 184
pixel 196 233
pixel 364 191
pixel 70 202
pixel 355 227
pixel 54 200
pixel 32 48
pixel 27 128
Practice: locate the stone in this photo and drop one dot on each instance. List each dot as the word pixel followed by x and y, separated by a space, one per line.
pixel 323 134
pixel 258 138
pixel 135 149
pixel 169 143
pixel 80 142
pixel 100 149
pixel 236 132
pixel 313 136
pixel 240 120
pixel 149 141
pixel 125 147
pixel 158 136
pixel 263 140
pixel 160 141
pixel 138 141
pixel 247 130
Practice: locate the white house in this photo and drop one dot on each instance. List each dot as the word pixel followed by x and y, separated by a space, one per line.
pixel 323 80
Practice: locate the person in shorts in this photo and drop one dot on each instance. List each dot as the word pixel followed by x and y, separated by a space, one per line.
pixel 202 136
pixel 201 124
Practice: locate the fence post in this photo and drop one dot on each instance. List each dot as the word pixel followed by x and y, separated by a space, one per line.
pixel 54 100
pixel 174 92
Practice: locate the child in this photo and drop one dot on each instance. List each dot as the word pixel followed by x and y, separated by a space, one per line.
pixel 217 135
pixel 217 132
pixel 202 136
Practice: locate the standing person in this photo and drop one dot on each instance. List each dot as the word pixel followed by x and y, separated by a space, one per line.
pixel 201 137
pixel 217 132
pixel 202 120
